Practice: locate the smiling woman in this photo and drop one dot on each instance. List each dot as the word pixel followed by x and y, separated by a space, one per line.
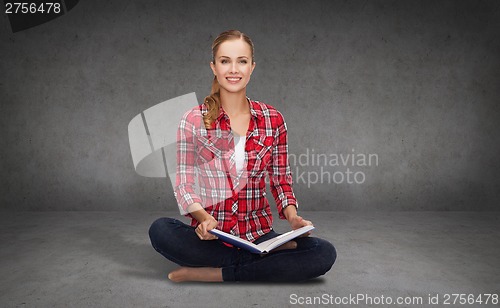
pixel 225 149
pixel 232 65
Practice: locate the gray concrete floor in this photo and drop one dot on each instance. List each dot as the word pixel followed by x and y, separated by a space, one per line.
pixel 104 259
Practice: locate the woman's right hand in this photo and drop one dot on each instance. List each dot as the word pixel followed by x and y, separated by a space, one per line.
pixel 205 226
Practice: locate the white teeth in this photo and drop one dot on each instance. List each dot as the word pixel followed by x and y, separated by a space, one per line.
pixel 233 79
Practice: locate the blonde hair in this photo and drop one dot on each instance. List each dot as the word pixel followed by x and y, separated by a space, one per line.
pixel 212 101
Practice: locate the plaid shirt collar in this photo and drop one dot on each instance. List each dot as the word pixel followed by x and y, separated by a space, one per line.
pixel 255 112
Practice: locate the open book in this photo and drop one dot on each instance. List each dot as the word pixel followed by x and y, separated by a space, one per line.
pixel 263 247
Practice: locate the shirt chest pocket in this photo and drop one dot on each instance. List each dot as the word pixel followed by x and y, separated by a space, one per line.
pixel 261 154
pixel 208 151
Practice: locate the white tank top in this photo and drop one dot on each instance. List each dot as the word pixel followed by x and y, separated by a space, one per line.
pixel 239 151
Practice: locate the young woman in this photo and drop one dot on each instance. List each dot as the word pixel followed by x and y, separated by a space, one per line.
pixel 225 149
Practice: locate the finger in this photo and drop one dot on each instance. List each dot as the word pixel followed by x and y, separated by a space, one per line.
pixel 198 233
pixel 308 222
pixel 210 236
pixel 203 229
pixel 203 237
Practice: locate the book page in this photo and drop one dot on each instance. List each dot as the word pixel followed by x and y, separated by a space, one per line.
pixel 270 244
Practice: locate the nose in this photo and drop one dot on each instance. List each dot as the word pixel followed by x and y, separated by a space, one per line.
pixel 234 68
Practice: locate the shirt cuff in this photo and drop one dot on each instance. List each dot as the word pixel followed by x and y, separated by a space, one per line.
pixel 284 205
pixel 185 200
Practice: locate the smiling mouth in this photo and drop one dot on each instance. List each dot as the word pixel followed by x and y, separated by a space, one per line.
pixel 233 79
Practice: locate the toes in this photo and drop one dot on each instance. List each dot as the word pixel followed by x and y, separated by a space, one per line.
pixel 177 275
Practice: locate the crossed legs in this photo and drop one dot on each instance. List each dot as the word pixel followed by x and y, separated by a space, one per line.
pixel 301 259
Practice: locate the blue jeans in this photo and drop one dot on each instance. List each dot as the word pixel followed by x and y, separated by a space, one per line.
pixel 179 243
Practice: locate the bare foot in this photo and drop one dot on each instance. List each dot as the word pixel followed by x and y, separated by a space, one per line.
pixel 287 245
pixel 196 274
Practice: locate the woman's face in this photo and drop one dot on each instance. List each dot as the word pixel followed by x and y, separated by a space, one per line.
pixel 233 65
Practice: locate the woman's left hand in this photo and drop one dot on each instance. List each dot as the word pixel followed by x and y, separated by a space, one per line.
pixel 297 222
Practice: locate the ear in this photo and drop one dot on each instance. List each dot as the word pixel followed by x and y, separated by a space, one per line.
pixel 212 66
pixel 253 66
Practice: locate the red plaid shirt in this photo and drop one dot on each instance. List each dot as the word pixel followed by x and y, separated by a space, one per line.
pixel 206 172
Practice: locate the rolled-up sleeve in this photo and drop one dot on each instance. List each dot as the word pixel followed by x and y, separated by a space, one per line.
pixel 186 157
pixel 280 175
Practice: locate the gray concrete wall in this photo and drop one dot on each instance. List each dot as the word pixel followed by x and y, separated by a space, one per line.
pixel 413 83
